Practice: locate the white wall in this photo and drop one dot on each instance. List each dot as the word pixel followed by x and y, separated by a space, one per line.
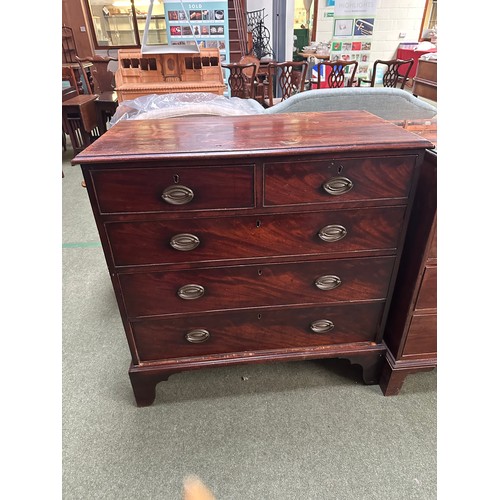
pixel 393 17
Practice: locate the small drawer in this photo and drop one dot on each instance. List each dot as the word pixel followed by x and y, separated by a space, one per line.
pixel 422 336
pixel 433 246
pixel 240 287
pixel 211 240
pixel 427 295
pixel 219 333
pixel 173 189
pixel 339 180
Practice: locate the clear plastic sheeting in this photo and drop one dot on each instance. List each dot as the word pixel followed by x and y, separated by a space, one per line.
pixel 160 106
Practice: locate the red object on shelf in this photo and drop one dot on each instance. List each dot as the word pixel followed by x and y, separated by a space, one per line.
pixel 408 53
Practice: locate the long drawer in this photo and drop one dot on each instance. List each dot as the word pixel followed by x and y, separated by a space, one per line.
pixel 233 238
pixel 239 287
pixel 173 189
pixel 339 180
pixel 200 335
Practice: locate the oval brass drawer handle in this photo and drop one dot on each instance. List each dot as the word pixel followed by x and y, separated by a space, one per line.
pixel 197 336
pixel 322 326
pixel 184 242
pixel 190 292
pixel 328 282
pixel 338 185
pixel 333 232
pixel 177 194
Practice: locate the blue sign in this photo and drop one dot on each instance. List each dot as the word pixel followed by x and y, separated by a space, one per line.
pixel 204 23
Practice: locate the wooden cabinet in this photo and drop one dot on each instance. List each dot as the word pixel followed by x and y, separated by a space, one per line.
pixel 425 81
pixel 411 330
pixel 248 239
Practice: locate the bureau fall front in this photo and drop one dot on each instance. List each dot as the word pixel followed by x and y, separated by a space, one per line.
pixel 252 239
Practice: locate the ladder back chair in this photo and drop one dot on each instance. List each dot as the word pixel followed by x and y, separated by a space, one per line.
pixel 397 72
pixel 339 71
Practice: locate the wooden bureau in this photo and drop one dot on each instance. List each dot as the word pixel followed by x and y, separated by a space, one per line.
pixel 252 238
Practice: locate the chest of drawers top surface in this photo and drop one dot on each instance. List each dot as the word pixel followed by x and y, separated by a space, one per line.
pixel 253 135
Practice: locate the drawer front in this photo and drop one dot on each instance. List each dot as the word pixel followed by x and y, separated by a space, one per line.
pixel 427 295
pixel 433 246
pixel 195 291
pixel 255 331
pixel 173 189
pixel 229 238
pixel 340 180
pixel 422 336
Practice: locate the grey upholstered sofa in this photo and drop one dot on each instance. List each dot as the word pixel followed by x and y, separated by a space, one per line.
pixel 388 103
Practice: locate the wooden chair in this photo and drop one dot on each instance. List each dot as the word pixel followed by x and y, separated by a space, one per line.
pixel 397 72
pixel 250 59
pixel 337 77
pixel 241 79
pixel 69 76
pixel 68 92
pixel 288 78
pixel 100 81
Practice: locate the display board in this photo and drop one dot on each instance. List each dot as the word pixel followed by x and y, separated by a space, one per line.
pixel 203 23
pixel 353 25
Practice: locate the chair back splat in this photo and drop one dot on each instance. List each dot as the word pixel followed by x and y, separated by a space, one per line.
pixel 396 72
pixel 287 78
pixel 241 79
pixel 339 71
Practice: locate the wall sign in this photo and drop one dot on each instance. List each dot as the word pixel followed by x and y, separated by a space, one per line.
pixel 355 7
pixel 204 23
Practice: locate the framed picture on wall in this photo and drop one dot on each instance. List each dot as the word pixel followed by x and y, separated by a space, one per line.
pixel 343 27
pixel 364 27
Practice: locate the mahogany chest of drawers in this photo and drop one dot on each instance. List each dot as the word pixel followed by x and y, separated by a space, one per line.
pixel 425 80
pixel 252 238
pixel 411 328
